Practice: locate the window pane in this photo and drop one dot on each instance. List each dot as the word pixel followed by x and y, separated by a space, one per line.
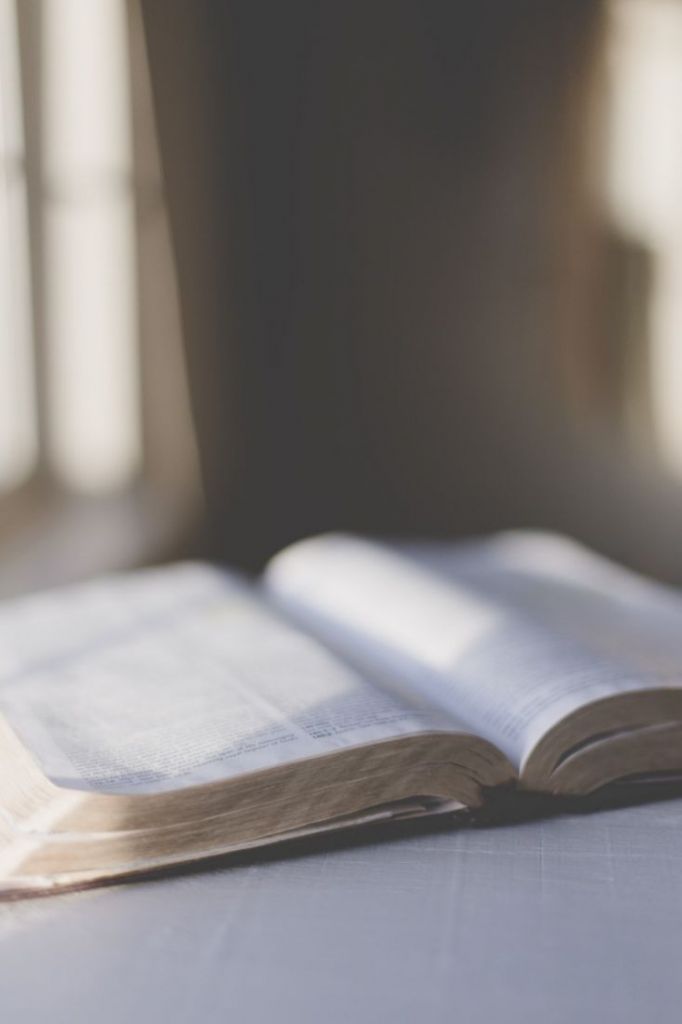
pixel 92 359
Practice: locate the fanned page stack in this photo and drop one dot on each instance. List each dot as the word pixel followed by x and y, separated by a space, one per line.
pixel 168 715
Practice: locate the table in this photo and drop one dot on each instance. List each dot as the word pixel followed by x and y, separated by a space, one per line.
pixel 574 918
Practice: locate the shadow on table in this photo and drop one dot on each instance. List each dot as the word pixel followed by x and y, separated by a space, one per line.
pixel 505 807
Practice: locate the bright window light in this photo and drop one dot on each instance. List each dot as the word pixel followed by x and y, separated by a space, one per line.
pixel 90 259
pixel 645 183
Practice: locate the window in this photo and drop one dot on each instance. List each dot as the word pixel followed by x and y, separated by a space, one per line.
pixel 632 365
pixel 97 462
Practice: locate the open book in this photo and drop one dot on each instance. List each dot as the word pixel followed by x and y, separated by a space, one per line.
pixel 168 715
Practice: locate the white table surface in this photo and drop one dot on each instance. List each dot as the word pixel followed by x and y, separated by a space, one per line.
pixel 573 919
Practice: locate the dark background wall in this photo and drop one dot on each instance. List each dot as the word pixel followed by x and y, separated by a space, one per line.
pixel 389 260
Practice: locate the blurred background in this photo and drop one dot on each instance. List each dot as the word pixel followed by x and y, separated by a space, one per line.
pixel 409 268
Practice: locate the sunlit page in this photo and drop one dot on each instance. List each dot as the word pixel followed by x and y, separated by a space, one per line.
pixel 510 634
pixel 147 681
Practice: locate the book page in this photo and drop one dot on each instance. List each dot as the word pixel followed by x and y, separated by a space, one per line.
pixel 511 634
pixel 151 680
